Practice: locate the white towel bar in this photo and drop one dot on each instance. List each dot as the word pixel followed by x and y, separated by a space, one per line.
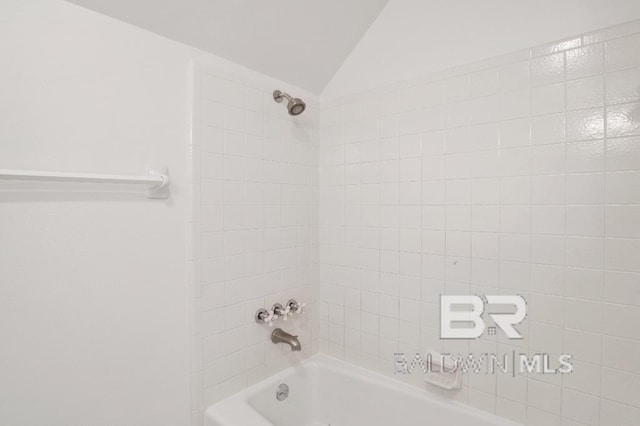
pixel 157 176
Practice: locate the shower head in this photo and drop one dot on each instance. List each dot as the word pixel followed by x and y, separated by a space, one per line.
pixel 295 106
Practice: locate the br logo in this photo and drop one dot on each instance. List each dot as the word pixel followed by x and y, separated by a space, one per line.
pixel 461 317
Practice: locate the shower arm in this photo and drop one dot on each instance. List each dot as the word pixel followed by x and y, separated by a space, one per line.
pixel 278 95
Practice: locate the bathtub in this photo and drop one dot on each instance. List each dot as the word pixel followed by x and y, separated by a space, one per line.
pixel 328 392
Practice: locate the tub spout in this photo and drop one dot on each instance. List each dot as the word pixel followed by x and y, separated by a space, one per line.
pixel 281 336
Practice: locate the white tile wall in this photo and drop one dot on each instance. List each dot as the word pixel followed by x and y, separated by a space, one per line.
pixel 253 229
pixel 516 174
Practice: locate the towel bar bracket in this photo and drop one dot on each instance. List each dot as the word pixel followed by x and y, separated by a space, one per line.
pixel 161 190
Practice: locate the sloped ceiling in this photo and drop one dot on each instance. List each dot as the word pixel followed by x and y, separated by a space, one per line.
pixel 416 37
pixel 302 42
pixel 335 47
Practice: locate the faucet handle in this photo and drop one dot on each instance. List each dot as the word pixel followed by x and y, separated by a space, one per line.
pixel 265 317
pixel 280 310
pixel 295 307
pixel 270 318
pixel 286 312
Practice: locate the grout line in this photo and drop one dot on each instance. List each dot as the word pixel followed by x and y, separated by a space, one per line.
pixel 604 203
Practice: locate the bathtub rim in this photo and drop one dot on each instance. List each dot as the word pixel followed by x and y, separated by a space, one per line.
pixel 235 410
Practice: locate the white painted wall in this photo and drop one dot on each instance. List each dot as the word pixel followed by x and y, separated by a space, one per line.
pixel 97 323
pixel 416 37
pixel 93 300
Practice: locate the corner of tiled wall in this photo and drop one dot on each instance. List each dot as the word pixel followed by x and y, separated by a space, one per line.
pixel 194 269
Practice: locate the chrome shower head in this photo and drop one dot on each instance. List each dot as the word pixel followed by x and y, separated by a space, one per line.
pixel 295 106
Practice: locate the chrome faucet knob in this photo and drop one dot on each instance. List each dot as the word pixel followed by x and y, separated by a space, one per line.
pixel 261 315
pixel 287 312
pixel 301 308
pixel 293 306
pixel 265 317
pixel 277 309
pixel 269 320
pixel 280 311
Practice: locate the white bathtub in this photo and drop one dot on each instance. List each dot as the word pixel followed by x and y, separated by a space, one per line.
pixel 328 392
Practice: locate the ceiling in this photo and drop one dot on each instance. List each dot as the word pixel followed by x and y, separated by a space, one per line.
pixel 335 47
pixel 417 37
pixel 302 42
